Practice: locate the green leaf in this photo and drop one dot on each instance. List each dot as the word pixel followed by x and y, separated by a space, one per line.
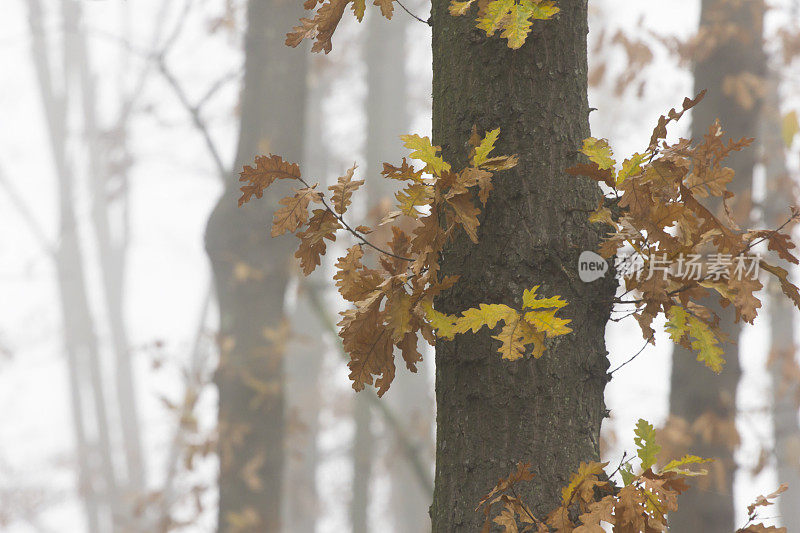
pixel 645 440
pixel 627 474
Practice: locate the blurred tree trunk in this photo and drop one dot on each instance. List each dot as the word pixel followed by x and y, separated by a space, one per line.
pixel 107 162
pixel 387 119
pixel 97 480
pixel 250 275
pixel 492 413
pixel 725 63
pixel 307 347
pixel 782 364
pixel 363 459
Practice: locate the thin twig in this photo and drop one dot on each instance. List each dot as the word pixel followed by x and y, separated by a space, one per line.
pixel 19 203
pixel 428 22
pixel 356 234
pixel 637 354
pixel 194 112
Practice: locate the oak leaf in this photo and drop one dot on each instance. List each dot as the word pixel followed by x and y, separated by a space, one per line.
pixel 266 171
pixel 295 212
pixel 598 151
pixel 424 151
pixel 343 191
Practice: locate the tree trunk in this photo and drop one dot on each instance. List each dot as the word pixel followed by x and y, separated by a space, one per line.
pixel 250 274
pixel 387 119
pixel 111 255
pixel 308 348
pixel 96 476
pixel 363 455
pixel 785 388
pixel 696 392
pixel 493 413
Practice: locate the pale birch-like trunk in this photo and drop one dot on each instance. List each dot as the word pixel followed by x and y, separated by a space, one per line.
pixel 785 388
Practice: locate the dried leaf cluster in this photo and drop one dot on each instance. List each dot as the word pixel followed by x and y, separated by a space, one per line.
pixel 592 500
pixel 393 301
pixel 512 18
pixel 660 207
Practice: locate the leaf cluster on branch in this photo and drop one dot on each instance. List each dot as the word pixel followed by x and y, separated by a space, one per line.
pixel 659 206
pixel 638 504
pixel 393 301
pixel 512 18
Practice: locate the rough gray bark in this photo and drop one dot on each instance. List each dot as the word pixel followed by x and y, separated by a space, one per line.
pixel 785 389
pixel 250 275
pixel 387 119
pixel 493 413
pixel 694 390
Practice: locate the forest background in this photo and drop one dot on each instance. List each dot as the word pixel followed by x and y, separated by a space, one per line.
pixel 162 82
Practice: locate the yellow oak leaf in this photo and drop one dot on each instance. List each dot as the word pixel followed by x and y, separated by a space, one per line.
pixel 485 147
pixel 493 16
pixel 484 315
pixel 424 151
pixel 413 197
pixel 681 323
pixel 445 325
pixel 515 336
pixel 645 441
pixel 398 313
pixel 530 300
pixel 546 322
pixel 677 466
pixel 598 151
pixel 631 166
pixel 517 24
pixel 459 8
pixel 587 474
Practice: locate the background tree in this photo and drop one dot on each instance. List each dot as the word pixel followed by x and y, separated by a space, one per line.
pixel 782 362
pixel 251 273
pixel 728 61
